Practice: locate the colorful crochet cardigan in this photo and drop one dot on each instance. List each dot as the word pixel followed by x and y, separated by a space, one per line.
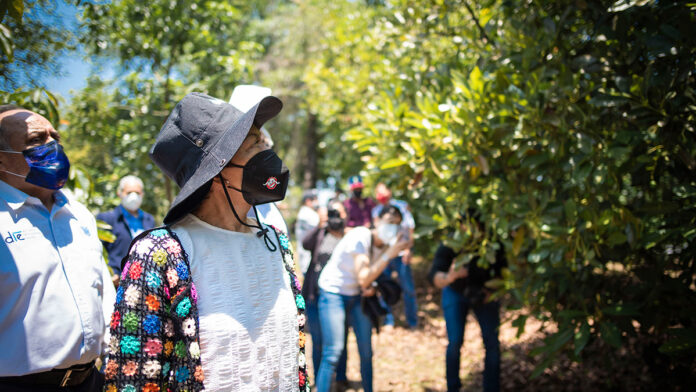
pixel 154 342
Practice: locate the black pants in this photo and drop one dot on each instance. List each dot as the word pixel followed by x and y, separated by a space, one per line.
pixel 93 383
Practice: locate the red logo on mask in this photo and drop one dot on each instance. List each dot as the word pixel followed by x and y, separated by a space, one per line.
pixel 271 183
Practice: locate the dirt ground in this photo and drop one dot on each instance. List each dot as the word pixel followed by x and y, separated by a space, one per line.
pixel 414 360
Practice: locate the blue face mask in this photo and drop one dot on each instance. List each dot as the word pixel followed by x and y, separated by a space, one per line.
pixel 48 165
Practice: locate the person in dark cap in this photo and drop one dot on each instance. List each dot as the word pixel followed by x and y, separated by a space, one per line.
pixel 358 207
pixel 211 300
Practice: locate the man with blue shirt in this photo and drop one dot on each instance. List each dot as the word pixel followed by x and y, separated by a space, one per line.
pixel 56 294
pixel 127 220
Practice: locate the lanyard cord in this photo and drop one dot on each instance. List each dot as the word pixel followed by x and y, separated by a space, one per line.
pixel 263 231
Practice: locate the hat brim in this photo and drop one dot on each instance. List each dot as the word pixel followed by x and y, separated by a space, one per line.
pixel 219 155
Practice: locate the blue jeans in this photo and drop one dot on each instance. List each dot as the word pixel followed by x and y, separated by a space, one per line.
pixel 314 329
pixel 336 311
pixel 455 308
pixel 408 289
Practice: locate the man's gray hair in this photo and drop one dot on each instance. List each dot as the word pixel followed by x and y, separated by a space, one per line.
pixel 129 179
pixel 4 144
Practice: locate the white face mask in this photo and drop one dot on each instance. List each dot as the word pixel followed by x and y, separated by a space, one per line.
pixel 132 201
pixel 388 232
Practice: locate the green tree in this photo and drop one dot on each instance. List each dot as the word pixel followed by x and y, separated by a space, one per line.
pixel 290 35
pixel 164 50
pixel 32 39
pixel 568 124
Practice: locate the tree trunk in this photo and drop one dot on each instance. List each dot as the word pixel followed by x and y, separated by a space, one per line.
pixel 309 178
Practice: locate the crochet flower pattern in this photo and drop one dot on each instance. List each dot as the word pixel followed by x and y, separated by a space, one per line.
pixel 301 359
pixel 130 368
pixel 152 303
pixel 124 272
pixel 130 322
pixel 132 296
pixel 301 320
pixel 168 347
pixel 173 247
pixel 182 271
pixel 111 370
pixel 189 327
pixel 299 301
pixel 169 328
pixel 182 374
pixel 153 279
pixel 180 349
pixel 172 277
pixel 302 339
pixel 165 369
pixel 129 388
pixel 151 387
pixel 130 344
pixel 111 388
pixel 198 374
pixel 195 350
pixel 184 307
pixel 115 319
pixel 151 324
pixel 135 270
pixel 151 369
pixel 119 295
pixel 158 233
pixel 153 347
pixel 142 248
pixel 113 345
pixel 159 257
pixel 284 240
pixel 194 293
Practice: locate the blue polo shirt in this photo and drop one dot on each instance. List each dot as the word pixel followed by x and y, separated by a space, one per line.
pixel 135 223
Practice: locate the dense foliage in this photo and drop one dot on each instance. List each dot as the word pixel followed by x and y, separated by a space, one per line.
pixel 164 50
pixel 32 39
pixel 569 125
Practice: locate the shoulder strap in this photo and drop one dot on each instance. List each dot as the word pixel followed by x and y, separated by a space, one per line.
pixel 286 255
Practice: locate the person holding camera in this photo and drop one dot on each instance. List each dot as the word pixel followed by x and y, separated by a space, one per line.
pixel 463 288
pixel 320 242
pixel 356 261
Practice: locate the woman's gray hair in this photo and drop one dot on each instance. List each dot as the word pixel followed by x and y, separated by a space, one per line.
pixel 128 180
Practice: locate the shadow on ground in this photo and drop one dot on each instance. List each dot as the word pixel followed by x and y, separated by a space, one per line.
pixel 406 360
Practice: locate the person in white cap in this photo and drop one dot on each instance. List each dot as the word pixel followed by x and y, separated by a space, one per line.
pixel 244 97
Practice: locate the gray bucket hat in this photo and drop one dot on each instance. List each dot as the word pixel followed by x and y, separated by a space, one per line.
pixel 197 141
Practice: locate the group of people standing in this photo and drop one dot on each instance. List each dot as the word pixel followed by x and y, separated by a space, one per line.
pixel 353 243
pixel 210 299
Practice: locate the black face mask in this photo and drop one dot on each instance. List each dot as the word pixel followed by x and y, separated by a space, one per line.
pixel 335 222
pixel 265 178
pixel 357 193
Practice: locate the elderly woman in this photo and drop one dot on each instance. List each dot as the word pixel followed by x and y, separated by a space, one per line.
pixel 210 300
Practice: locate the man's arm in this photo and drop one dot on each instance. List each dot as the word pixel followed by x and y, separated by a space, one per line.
pixel 444 279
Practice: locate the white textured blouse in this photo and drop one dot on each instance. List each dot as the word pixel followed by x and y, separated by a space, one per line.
pixel 246 309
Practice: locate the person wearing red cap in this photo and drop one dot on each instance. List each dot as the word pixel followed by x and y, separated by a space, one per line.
pixel 358 208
